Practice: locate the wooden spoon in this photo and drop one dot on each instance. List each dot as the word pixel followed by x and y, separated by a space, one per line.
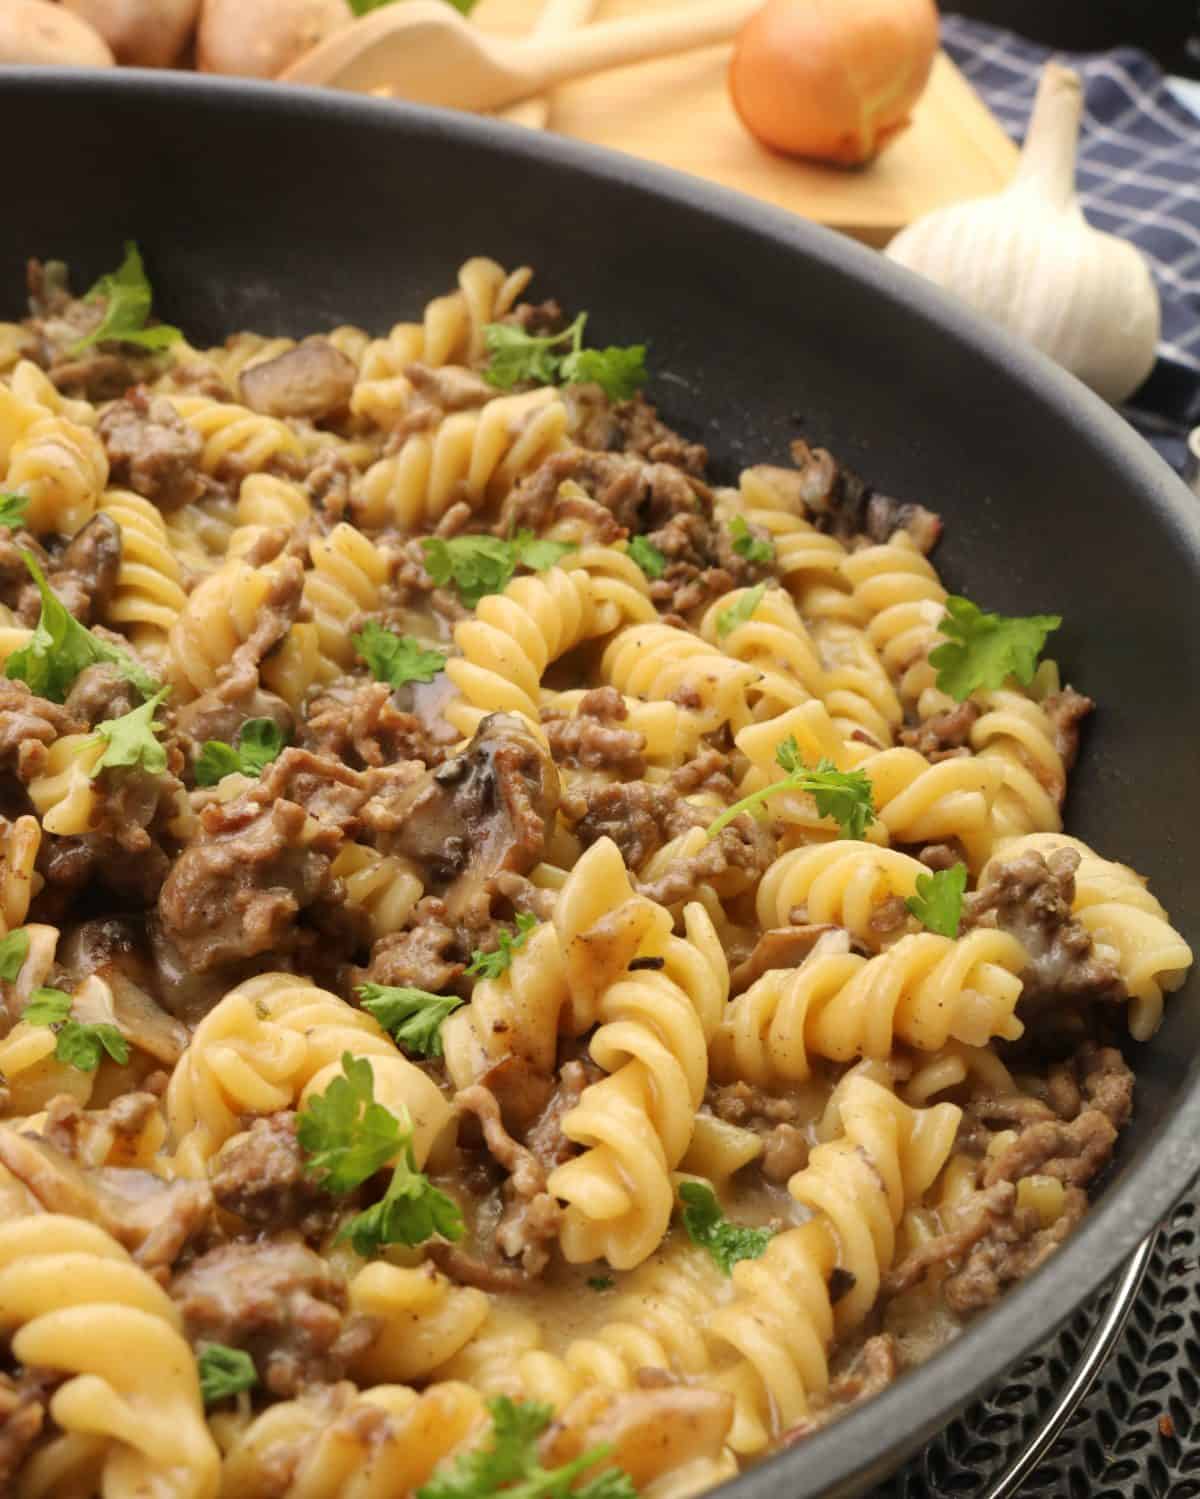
pixel 425 51
pixel 558 18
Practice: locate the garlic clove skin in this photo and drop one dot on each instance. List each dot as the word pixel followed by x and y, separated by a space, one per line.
pixel 1028 258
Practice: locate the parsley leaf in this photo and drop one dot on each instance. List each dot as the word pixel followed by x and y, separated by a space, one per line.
pixel 508 1463
pixel 127 295
pixel 844 795
pixel 984 650
pixel 739 613
pixel 47 1007
pixel 79 1044
pixel 396 659
pixel 938 901
pixel 259 742
pixel 479 565
pixel 413 1017
pixel 648 557
pixel 601 1282
pixel 746 544
pixel 708 1226
pixel 619 372
pixel 490 965
pixel 224 1372
pixel 517 357
pixel 410 1211
pixel 539 555
pixel 61 647
pixel 14 949
pixel 346 1135
pixel 12 509
pixel 130 739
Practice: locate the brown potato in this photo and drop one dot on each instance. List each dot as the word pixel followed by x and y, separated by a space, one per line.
pixel 33 31
pixel 263 38
pixel 141 33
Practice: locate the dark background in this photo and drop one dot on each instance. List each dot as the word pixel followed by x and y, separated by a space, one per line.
pixel 1168 28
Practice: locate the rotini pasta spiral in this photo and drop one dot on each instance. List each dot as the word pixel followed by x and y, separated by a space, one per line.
pixel 847 883
pixel 237 441
pixel 63 793
pixel 660 661
pixel 62 469
pixel 20 841
pixel 424 1320
pixel 149 595
pixel 348 572
pixel 221 614
pixel 273 1042
pixel 73 1301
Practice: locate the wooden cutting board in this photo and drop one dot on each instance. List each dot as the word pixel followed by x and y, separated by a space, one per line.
pixel 677 112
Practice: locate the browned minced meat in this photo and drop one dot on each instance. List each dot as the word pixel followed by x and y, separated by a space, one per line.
pixel 876 1365
pixel 221 712
pixel 1066 711
pixel 362 724
pixel 545 1136
pixel 100 692
pixel 260 1176
pixel 237 888
pixel 332 793
pixel 776 1119
pixel 72 1130
pixel 945 735
pixel 280 1303
pixel 313 381
pixel 28 726
pixel 425 956
pixel 58 321
pixel 532 1217
pixel 83 574
pixel 537 318
pixel 639 816
pixel 592 738
pixel 701 562
pixel 152 450
pixel 275 617
pixel 24 1399
pixel 838 501
pixel 1031 897
pixel 450 387
pixel 15 577
pixel 488 809
pixel 736 856
pixel 548 495
pixel 631 426
pixel 707 770
pixel 1014 1247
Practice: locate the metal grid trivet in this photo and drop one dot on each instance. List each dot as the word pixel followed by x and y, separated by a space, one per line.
pixel 1108 1409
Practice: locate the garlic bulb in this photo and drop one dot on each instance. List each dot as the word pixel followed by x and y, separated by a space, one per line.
pixel 1029 259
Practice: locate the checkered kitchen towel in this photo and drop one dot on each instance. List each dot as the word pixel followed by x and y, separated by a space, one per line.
pixel 1139 177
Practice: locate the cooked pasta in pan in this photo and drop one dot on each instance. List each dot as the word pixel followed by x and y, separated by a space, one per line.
pixel 527 962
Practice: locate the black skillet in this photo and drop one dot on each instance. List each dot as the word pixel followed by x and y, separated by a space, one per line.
pixel 290 211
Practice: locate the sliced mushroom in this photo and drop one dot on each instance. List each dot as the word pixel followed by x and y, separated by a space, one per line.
pixel 312 380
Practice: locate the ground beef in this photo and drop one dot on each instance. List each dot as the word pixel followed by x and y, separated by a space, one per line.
pixel 545 1136
pixel 1066 711
pixel 1012 1248
pixel 839 502
pixel 639 816
pixel 779 1120
pixel 24 1413
pixel 152 450
pixel 84 574
pixel 58 321
pixel 945 735
pixel 532 1217
pixel 1031 897
pixel 425 956
pixel 99 693
pixel 592 738
pixel 488 809
pixel 330 792
pixel 28 726
pixel 281 1303
pixel 238 886
pixel 221 712
pixel 737 857
pixel 362 724
pixel 630 427
pixel 260 1175
pixel 785 1151
pixel 313 381
pixel 549 495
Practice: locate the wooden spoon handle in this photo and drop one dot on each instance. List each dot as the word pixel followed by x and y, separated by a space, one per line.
pixel 557 18
pixel 697 23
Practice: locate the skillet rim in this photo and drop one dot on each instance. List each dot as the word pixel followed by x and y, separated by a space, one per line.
pixel 867 1444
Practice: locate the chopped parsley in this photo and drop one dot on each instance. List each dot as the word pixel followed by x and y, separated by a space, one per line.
pixel 600 1282
pixel 61 647
pixel 347 1138
pixel 508 1463
pixel 12 509
pixel 127 297
pixel 746 544
pixel 260 741
pixel 516 357
pixel 14 949
pixel 413 1017
pixel 396 659
pixel 490 965
pixel 224 1372
pixel 984 650
pixel 707 1225
pixel 79 1044
pixel 479 565
pixel 130 740
pixel 844 795
pixel 738 614
pixel 648 557
pixel 939 898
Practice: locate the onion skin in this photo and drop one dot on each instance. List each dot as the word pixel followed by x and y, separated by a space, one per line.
pixel 33 31
pixel 259 38
pixel 833 80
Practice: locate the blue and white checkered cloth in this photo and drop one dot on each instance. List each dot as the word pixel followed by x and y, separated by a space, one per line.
pixel 1139 177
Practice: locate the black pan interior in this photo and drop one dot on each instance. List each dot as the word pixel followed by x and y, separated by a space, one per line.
pixel 289 211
